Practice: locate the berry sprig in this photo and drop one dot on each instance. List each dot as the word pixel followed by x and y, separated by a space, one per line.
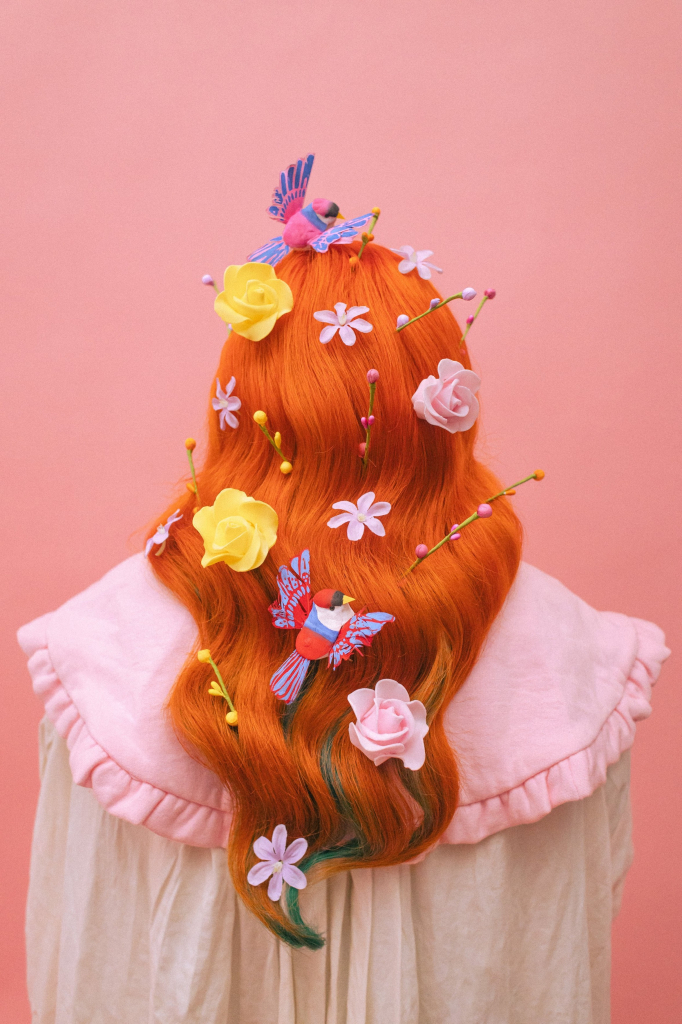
pixel 366 237
pixel 190 445
pixel 484 511
pixel 488 295
pixel 217 687
pixel 368 420
pixel 261 419
pixel 404 321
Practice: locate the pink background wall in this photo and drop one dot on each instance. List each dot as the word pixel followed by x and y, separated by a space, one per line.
pixel 533 146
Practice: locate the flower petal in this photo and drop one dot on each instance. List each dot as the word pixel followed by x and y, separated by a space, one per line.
pixel 295 851
pixel 347 506
pixel 391 689
pixel 264 849
pixel 327 333
pixel 364 501
pixel 379 508
pixel 340 308
pixel 356 311
pixel 355 530
pixel 364 326
pixel 423 271
pixel 259 872
pixel 347 335
pixel 423 254
pixel 294 877
pixel 279 841
pixel 341 520
pixel 405 266
pixel 275 887
pixel 325 316
pixel 376 526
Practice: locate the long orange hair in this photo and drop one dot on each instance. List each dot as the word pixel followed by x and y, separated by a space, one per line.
pixel 295 764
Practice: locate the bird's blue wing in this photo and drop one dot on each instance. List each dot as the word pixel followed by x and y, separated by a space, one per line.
pixel 272 252
pixel 294 594
pixel 291 190
pixel 344 231
pixel 361 631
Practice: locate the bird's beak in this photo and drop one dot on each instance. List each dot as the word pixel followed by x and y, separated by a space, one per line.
pixel 347 599
pixel 340 216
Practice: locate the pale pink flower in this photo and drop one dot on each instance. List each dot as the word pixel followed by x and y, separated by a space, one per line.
pixel 225 404
pixel 388 724
pixel 344 322
pixel 360 516
pixel 278 860
pixel 448 400
pixel 416 258
pixel 162 532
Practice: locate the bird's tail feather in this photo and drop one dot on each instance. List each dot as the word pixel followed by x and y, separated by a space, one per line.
pixel 288 679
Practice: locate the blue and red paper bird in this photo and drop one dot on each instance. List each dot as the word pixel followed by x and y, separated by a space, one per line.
pixel 313 225
pixel 327 626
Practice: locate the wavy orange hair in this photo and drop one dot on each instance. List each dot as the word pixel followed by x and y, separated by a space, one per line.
pixel 296 765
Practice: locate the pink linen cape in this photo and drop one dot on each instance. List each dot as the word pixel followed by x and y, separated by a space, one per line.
pixel 550 704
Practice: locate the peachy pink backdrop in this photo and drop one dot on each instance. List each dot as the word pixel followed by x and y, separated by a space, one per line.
pixel 534 146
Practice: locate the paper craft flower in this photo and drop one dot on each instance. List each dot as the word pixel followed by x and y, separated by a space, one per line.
pixel 448 400
pixel 277 862
pixel 226 405
pixel 252 300
pixel 237 530
pixel 360 516
pixel 388 724
pixel 416 258
pixel 344 322
pixel 161 535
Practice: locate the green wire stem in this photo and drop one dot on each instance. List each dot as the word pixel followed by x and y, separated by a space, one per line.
pixel 220 682
pixel 368 431
pixel 431 309
pixel 365 240
pixel 194 476
pixel 471 519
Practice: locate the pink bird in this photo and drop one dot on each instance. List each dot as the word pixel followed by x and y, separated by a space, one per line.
pixel 311 226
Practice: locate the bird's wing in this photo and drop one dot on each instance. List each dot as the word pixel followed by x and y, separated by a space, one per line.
pixel 291 611
pixel 272 252
pixel 358 632
pixel 344 231
pixel 289 195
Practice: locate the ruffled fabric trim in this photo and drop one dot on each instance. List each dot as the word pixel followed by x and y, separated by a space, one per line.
pixel 138 802
pixel 577 776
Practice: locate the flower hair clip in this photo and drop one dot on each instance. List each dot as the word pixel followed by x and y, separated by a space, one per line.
pixel 261 419
pixel 226 404
pixel 345 321
pixel 484 511
pixel 217 687
pixel 404 320
pixel 416 259
pixel 278 862
pixel 368 420
pixel 161 535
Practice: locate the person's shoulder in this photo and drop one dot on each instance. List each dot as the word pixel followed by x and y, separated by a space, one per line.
pixel 550 704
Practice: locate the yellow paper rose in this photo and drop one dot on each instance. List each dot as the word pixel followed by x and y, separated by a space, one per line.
pixel 236 529
pixel 253 299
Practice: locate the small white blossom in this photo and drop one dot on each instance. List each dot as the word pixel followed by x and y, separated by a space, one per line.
pixel 161 535
pixel 225 404
pixel 344 322
pixel 360 516
pixel 277 862
pixel 416 258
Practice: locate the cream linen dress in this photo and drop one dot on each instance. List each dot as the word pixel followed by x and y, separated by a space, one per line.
pixel 126 927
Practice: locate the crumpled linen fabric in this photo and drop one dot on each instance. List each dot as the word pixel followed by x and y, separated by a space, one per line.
pixel 127 927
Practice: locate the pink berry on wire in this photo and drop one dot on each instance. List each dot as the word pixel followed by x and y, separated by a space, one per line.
pixel 207 279
pixel 421 551
pixel 490 293
pixel 372 376
pixel 470 319
pixel 484 511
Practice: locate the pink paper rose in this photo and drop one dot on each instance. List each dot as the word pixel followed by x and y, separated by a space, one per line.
pixel 448 400
pixel 389 724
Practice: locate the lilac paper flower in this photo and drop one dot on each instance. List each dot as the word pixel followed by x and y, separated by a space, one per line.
pixel 360 516
pixel 278 860
pixel 343 322
pixel 225 404
pixel 161 535
pixel 416 258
